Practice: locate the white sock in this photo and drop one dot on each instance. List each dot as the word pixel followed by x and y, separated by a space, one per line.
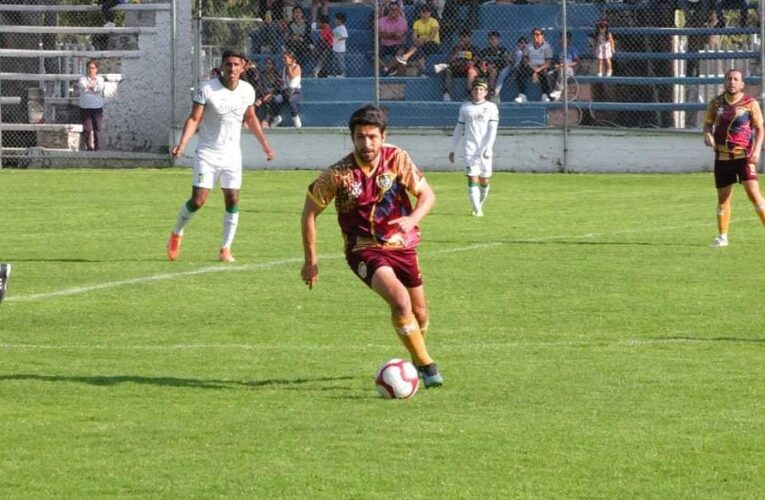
pixel 230 221
pixel 484 191
pixel 184 216
pixel 475 197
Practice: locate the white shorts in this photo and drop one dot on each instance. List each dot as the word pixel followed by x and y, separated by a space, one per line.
pixel 478 166
pixel 210 169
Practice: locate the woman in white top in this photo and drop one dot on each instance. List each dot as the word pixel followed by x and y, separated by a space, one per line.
pixel 91 88
pixel 292 93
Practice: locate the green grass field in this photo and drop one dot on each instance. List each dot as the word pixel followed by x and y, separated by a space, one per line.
pixel 593 345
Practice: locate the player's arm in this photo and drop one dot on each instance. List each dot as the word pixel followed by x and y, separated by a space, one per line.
pixel 310 271
pixel 490 137
pixel 759 135
pixel 254 125
pixel 189 128
pixel 709 121
pixel 459 131
pixel 426 198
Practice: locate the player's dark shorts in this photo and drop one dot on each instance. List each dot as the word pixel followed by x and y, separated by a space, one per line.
pixel 728 172
pixel 366 261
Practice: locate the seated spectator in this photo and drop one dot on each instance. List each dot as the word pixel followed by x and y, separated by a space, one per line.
pixel 425 38
pixel 291 90
pixel 323 48
pixel 537 59
pixel 268 38
pixel 498 62
pixel 298 36
pixel 266 106
pixel 565 67
pixel 393 30
pixel 516 61
pixel 461 62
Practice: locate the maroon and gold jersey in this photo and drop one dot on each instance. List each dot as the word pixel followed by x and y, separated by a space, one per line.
pixel 367 202
pixel 734 125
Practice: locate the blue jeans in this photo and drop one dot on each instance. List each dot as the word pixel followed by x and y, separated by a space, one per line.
pixel 339 63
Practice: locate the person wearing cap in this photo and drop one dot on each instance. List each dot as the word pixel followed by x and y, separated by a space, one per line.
pixel 604 48
pixel 497 61
pixel 477 127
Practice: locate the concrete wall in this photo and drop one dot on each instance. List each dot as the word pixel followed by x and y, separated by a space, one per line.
pixel 140 113
pixel 527 150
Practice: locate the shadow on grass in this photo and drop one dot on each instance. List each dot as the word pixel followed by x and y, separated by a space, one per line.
pixel 112 380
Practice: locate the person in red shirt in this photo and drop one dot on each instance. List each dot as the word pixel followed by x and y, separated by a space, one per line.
pixel 734 128
pixel 371 188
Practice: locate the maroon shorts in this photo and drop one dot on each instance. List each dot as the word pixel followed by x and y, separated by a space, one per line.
pixel 728 172
pixel 366 261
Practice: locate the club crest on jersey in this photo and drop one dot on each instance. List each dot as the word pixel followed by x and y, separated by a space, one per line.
pixel 361 270
pixel 356 189
pixel 741 111
pixel 384 182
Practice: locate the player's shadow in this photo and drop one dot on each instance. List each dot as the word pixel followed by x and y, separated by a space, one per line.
pixel 113 380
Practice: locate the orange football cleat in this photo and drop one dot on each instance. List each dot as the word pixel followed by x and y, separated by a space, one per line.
pixel 174 246
pixel 225 255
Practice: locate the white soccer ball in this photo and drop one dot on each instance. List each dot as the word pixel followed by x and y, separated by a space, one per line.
pixel 397 379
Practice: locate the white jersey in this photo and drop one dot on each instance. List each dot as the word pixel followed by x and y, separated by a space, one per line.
pixel 478 123
pixel 220 132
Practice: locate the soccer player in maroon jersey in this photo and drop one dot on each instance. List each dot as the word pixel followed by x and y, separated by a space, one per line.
pixel 371 189
pixel 734 128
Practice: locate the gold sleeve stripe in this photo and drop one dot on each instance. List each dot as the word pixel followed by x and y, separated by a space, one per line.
pixel 316 200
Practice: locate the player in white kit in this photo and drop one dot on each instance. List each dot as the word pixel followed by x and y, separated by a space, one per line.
pixel 477 124
pixel 220 107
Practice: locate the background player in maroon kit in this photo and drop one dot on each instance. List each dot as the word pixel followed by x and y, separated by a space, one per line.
pixel 371 189
pixel 734 127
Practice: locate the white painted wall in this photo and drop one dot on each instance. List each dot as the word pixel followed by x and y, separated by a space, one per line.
pixel 527 150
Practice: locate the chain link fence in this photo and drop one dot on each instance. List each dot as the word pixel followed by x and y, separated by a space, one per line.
pixel 627 64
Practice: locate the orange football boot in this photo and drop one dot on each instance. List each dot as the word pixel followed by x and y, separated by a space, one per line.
pixel 225 255
pixel 174 246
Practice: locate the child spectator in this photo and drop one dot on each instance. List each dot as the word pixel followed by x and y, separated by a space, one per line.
pixel 604 48
pixel 323 50
pixel 426 38
pixel 339 36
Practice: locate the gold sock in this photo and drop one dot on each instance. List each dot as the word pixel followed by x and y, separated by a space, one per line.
pixel 723 218
pixel 761 212
pixel 424 329
pixel 409 332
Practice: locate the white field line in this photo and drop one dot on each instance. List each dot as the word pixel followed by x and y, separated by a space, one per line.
pixel 296 260
pixel 363 348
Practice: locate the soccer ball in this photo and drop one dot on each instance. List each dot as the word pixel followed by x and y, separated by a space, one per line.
pixel 397 379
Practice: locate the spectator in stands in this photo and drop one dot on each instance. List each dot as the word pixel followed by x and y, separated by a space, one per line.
pixel 604 48
pixel 315 9
pixel 106 9
pixel 461 62
pixel 393 30
pixel 323 48
pixel 291 91
pixel 266 106
pixel 537 59
pixel 268 38
pixel 339 37
pixel 734 128
pixel 477 126
pixel 516 61
pixel 426 38
pixel 275 7
pixel 91 89
pixel 498 62
pixel 565 66
pixel 217 112
pixel 298 36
